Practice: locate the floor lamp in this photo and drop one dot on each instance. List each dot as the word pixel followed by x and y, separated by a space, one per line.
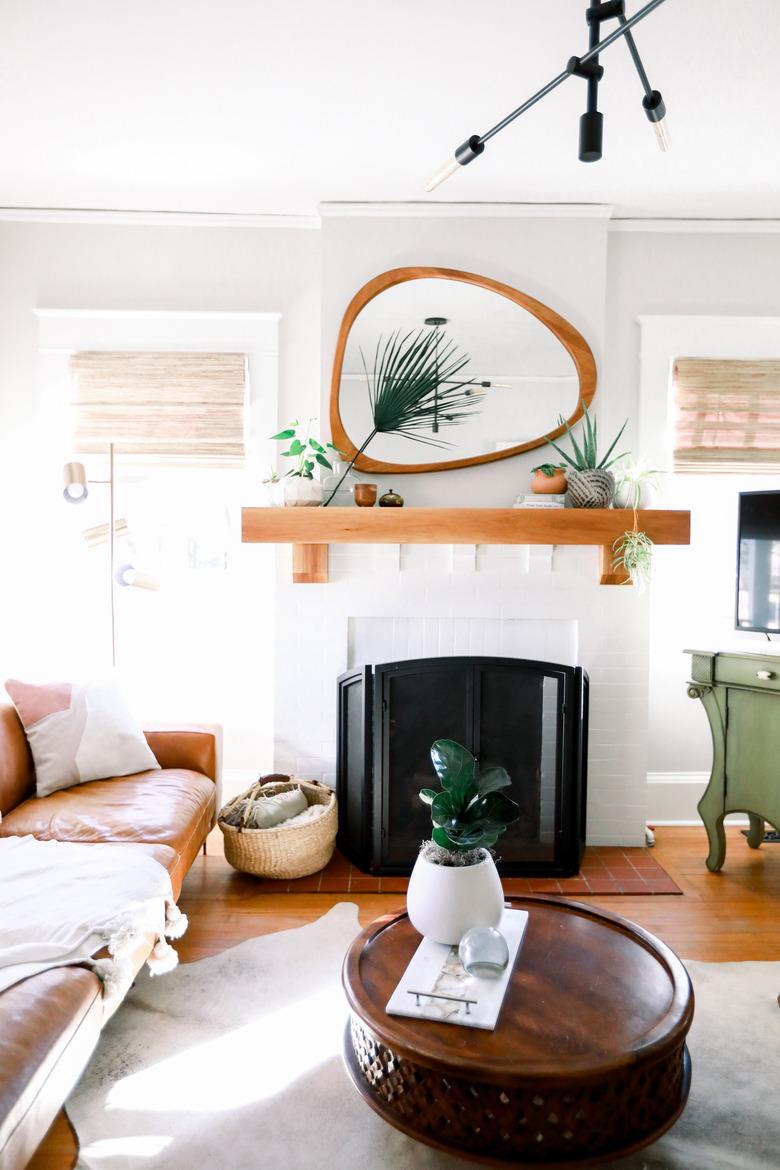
pixel 75 491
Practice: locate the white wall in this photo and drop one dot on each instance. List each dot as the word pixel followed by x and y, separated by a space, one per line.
pixel 702 274
pixel 602 282
pixel 102 266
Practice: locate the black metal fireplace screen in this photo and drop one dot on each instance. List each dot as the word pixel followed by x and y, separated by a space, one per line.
pixel 528 717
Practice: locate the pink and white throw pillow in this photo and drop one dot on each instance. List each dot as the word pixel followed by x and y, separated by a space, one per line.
pixel 78 732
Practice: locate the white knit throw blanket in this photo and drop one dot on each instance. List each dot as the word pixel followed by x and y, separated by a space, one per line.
pixel 62 902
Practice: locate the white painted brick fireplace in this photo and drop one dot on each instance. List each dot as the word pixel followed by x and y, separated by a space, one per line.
pixel 389 602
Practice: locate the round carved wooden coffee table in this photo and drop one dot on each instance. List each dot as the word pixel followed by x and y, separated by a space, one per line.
pixel 587 1062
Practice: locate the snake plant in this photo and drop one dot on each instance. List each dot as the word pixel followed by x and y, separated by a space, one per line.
pixel 586 457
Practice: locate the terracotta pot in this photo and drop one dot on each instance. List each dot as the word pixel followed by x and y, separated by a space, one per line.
pixel 365 495
pixel 444 901
pixel 544 485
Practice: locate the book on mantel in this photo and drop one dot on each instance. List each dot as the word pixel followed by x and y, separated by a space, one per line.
pixel 540 501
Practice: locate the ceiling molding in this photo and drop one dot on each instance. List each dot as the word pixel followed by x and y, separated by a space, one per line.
pixel 430 210
pixel 223 315
pixel 435 210
pixel 156 218
pixel 694 225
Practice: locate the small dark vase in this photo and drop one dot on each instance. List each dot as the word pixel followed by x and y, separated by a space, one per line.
pixel 391 499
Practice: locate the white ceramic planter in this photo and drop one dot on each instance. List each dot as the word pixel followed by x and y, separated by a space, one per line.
pixel 295 491
pixel 444 901
pixel 625 496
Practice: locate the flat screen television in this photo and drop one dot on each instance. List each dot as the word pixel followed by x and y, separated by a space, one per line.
pixel 758 562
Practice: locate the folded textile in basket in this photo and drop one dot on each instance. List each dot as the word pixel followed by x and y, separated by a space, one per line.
pixel 266 811
pixel 61 902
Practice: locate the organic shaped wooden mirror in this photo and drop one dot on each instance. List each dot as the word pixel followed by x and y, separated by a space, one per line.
pixel 470 370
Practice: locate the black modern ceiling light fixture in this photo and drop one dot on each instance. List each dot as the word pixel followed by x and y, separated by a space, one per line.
pixel 437 324
pixel 589 68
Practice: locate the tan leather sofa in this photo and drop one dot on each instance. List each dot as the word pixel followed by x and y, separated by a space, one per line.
pixel 50 1023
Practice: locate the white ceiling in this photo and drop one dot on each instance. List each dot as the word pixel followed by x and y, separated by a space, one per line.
pixel 258 106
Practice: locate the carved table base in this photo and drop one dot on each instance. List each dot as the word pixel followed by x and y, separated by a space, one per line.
pixel 566 1126
pixel 587 1062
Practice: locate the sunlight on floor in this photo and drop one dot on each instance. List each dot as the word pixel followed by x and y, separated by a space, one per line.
pixel 248 1064
pixel 146 1146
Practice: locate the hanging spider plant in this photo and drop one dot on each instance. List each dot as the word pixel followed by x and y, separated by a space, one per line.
pixel 634 555
pixel 414 390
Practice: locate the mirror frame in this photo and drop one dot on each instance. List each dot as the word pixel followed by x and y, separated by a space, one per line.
pixel 569 337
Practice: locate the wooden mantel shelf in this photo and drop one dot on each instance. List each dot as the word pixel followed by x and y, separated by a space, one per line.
pixel 311 530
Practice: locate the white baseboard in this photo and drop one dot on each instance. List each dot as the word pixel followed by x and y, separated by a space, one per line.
pixel 672 798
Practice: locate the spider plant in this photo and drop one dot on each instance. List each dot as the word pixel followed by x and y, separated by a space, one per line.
pixel 631 477
pixel 586 457
pixel 413 389
pixel 634 555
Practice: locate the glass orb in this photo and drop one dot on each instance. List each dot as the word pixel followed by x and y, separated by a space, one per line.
pixel 484 952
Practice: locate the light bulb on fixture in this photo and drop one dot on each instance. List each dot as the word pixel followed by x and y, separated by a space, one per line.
pixel 466 153
pixel 129 575
pixel 444 172
pixel 655 110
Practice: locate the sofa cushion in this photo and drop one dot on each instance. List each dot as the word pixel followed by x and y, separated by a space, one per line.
pixel 79 732
pixel 170 807
pixel 49 1025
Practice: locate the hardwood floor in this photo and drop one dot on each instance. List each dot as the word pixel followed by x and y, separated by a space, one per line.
pixel 721 917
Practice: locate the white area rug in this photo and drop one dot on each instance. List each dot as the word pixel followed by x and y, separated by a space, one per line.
pixel 234 1063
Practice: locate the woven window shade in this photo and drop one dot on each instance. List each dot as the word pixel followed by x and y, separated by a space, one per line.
pixel 727 415
pixel 186 407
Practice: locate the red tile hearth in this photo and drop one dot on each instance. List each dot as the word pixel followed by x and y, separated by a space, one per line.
pixel 605 870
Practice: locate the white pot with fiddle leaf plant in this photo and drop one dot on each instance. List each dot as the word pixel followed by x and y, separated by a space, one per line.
pixel 455 884
pixel 298 486
pixel 591 484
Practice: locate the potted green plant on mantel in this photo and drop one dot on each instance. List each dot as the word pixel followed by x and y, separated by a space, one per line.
pixel 634 481
pixel 298 487
pixel 590 482
pixel 548 479
pixel 633 549
pixel 455 884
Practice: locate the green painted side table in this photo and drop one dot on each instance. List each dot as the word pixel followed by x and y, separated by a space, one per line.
pixel 741 695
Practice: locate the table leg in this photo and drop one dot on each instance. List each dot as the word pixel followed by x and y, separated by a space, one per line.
pixel 711 812
pixel 756 833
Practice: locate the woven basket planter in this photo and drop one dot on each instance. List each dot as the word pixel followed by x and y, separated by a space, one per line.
pixel 590 489
pixel 286 850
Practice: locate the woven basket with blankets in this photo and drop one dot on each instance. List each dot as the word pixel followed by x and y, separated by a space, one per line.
pixel 280 827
